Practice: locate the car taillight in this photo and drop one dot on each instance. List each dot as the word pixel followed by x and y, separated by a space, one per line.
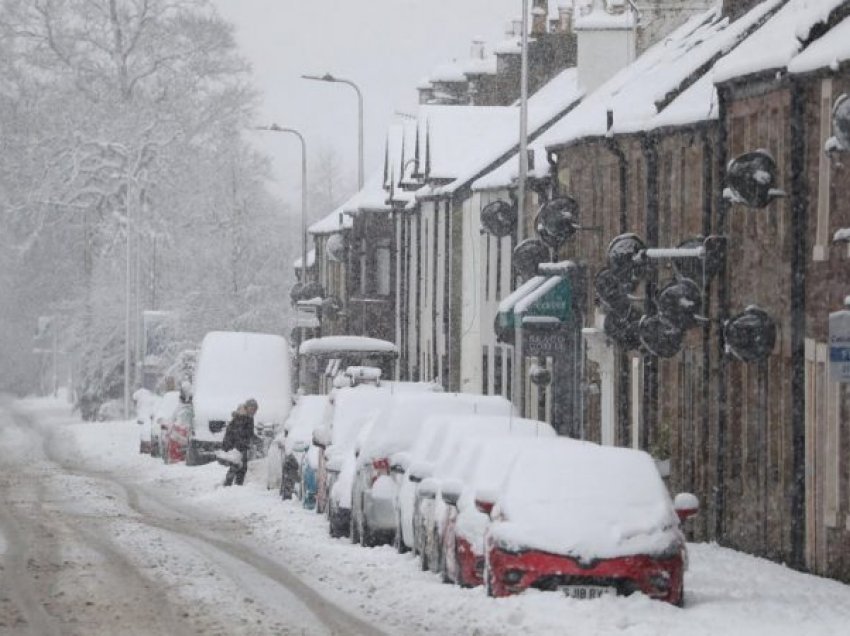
pixel 380 467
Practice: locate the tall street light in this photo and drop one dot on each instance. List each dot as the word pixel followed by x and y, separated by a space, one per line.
pixel 327 77
pixel 276 128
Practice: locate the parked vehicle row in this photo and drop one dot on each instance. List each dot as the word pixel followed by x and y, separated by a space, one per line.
pixel 483 497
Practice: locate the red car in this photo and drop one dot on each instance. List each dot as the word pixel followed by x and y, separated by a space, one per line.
pixel 588 521
pixel 176 435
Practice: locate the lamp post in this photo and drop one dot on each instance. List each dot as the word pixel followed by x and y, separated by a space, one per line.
pixel 518 379
pixel 276 128
pixel 327 77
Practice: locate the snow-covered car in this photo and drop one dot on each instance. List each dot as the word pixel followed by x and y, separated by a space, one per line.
pixel 145 404
pixel 163 413
pixel 480 466
pixel 110 411
pixel 433 446
pixel 175 440
pixel 394 430
pixel 232 367
pixel 352 406
pixel 430 512
pixel 585 520
pixel 288 449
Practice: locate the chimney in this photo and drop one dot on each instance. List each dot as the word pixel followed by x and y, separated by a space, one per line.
pixel 476 51
pixel 565 18
pixel 607 42
pixel 539 13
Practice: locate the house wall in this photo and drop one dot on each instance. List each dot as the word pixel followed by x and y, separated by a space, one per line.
pixel 761 422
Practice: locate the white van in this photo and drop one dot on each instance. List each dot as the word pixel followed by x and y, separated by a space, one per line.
pixel 232 367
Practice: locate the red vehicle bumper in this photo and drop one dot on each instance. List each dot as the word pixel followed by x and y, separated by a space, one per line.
pixel 176 442
pixel 470 567
pixel 512 572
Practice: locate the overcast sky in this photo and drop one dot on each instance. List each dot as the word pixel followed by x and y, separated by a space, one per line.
pixel 385 46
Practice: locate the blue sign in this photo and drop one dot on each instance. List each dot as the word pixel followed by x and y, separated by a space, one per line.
pixel 839 346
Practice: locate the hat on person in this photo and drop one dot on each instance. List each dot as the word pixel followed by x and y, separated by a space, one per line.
pixel 251 402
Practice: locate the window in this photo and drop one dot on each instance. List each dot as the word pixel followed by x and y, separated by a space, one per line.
pixel 485 369
pixel 382 267
pixel 498 354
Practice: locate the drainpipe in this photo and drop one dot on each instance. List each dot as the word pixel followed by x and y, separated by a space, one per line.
pixel 649 408
pixel 723 316
pixel 707 193
pixel 624 373
pixel 799 229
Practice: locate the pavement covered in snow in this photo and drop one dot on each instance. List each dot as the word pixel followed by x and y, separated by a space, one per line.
pixel 727 592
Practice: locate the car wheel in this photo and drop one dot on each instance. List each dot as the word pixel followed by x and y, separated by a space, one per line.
pixel 192 458
pixel 353 530
pixel 488 580
pixel 398 538
pixel 434 560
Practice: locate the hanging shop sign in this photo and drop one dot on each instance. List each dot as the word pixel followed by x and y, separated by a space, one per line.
pixel 839 346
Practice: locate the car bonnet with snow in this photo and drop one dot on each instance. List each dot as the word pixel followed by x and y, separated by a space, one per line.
pixel 585 500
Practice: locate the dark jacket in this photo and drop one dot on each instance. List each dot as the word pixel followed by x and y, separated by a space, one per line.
pixel 240 432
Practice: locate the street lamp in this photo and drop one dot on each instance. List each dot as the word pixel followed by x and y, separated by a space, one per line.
pixel 327 77
pixel 276 128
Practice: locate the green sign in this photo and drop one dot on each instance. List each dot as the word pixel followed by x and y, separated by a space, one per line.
pixel 555 300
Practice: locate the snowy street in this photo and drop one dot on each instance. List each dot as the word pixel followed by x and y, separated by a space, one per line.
pixel 83 551
pixel 94 535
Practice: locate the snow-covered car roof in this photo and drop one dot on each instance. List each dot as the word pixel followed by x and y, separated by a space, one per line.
pixel 234 366
pixel 166 405
pixel 578 498
pixel 337 344
pixel 352 404
pixel 307 415
pixel 397 425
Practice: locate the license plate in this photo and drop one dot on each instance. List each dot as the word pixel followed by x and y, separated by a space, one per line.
pixel 584 592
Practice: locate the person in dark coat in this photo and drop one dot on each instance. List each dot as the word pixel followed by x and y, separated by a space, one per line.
pixel 240 435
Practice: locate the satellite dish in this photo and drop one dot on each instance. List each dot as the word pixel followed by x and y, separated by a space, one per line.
pixel 751 179
pixel 331 307
pixel 660 336
pixel 623 329
pixel 612 292
pixel 499 218
pixel 540 376
pixel 335 248
pixel 312 290
pixel 751 335
pixel 528 255
pixel 557 221
pixel 841 123
pixel 680 302
pixel 624 257
pixel 296 293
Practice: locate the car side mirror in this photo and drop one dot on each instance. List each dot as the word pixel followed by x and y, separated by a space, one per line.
pixel 399 463
pixel 427 488
pixel 419 471
pixel 322 437
pixel 686 505
pixel 300 446
pixel 484 501
pixel 334 464
pixel 451 491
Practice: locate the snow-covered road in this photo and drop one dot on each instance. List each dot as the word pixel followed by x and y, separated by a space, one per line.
pixel 240 561
pixel 87 551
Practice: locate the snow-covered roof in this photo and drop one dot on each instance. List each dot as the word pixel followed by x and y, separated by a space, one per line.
pixel 830 50
pixel 334 222
pixel 622 507
pixel 311 260
pixel 775 44
pixel 333 344
pixel 371 198
pixel 449 72
pixel 512 45
pixel 696 104
pixel 551 100
pixel 480 65
pixel 451 138
pixel 633 95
